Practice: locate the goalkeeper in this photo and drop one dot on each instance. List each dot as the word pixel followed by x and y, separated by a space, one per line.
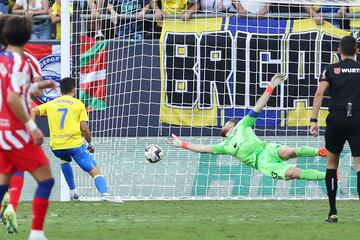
pixel 242 143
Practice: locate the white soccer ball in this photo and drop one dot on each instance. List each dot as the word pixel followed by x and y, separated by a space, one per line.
pixel 153 153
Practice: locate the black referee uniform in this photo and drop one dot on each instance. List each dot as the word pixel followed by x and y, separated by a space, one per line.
pixel 343 121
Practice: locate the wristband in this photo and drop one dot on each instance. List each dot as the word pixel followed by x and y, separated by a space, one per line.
pixel 31 125
pixel 89 143
pixel 269 89
pixel 313 120
pixel 185 145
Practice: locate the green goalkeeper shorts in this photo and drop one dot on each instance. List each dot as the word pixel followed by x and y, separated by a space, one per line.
pixel 270 163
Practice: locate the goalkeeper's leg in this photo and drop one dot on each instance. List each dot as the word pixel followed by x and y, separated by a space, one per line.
pixel 309 174
pixel 287 153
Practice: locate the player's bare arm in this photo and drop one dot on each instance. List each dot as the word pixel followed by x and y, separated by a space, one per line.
pixel 175 141
pixel 84 128
pixel 35 112
pixel 36 89
pixel 318 98
pixel 16 106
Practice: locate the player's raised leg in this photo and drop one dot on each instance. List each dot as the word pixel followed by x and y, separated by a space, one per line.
pixel 287 153
pixel 304 151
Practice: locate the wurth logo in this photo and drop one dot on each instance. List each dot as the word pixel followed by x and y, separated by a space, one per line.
pixel 346 70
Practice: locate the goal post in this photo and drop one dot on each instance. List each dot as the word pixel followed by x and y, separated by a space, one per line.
pixel 140 85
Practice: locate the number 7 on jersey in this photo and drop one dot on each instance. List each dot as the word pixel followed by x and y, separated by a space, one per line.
pixel 64 112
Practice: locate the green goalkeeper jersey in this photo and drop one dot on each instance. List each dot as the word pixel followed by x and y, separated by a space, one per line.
pixel 242 143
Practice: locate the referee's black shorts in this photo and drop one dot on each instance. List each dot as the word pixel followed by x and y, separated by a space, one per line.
pixel 341 128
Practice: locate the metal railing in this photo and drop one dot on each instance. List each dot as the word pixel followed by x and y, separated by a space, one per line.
pixel 198 15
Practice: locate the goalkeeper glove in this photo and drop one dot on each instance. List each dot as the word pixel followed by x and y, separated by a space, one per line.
pixel 277 79
pixel 175 141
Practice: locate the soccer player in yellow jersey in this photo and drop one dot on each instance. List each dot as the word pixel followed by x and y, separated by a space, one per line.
pixel 68 125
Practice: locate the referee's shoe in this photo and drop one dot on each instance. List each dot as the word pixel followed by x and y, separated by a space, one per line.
pixel 331 219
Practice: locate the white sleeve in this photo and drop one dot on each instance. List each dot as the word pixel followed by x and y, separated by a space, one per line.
pixel 20 2
pixel 18 77
pixel 34 64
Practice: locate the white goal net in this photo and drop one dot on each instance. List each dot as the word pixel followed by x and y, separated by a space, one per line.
pixel 144 76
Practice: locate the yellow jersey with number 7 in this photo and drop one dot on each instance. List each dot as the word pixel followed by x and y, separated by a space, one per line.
pixel 64 116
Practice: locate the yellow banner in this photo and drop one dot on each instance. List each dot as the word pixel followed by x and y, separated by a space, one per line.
pixel 194 116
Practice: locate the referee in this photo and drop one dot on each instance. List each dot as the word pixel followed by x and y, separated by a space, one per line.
pixel 343 121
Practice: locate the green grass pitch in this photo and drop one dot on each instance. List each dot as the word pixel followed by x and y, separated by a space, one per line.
pixel 245 220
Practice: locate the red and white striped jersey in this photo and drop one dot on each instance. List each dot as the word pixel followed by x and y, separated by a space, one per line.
pixel 34 64
pixel 15 76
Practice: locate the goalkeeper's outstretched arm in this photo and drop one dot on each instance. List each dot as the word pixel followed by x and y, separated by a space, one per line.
pixel 175 141
pixel 276 80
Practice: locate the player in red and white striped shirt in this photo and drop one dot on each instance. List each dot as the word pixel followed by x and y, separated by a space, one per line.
pixel 17 179
pixel 19 136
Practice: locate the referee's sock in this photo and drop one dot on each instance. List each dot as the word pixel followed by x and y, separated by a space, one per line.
pixel 306 151
pixel 358 182
pixel 331 186
pixel 68 174
pixel 312 175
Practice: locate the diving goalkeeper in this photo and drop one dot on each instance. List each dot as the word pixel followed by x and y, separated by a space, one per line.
pixel 242 143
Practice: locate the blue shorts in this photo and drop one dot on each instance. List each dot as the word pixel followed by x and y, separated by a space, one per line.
pixel 81 156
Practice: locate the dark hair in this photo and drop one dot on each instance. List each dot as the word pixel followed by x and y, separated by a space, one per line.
pixel 348 45
pixel 3 18
pixel 67 85
pixel 17 30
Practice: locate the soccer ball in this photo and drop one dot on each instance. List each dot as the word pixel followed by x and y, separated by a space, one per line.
pixel 153 153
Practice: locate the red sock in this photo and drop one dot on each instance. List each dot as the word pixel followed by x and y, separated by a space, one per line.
pixel 40 206
pixel 16 185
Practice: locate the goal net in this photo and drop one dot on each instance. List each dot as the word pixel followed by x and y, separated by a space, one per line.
pixel 144 76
